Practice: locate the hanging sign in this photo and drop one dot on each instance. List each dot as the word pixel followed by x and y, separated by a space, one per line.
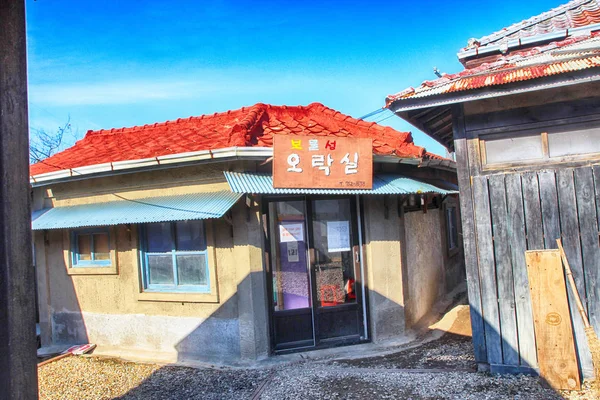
pixel 326 162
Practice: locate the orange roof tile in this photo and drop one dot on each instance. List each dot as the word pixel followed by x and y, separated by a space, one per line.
pixel 246 127
pixel 568 55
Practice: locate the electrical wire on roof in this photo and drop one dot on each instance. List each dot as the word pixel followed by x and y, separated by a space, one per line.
pixel 378 111
pixel 383 119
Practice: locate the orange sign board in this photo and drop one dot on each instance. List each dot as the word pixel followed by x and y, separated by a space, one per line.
pixel 322 162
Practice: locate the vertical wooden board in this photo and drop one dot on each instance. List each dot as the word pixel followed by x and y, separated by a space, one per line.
pixel 554 337
pixel 487 269
pixel 596 169
pixel 588 228
pixel 504 273
pixel 469 237
pixel 533 211
pixel 569 226
pixel 518 245
pixel 550 213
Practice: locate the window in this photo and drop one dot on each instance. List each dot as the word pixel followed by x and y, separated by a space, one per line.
pixel 90 248
pixel 583 141
pixel 561 143
pixel 174 257
pixel 514 149
pixel 452 228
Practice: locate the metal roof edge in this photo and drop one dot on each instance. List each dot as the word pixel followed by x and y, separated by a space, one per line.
pixel 113 168
pixel 173 160
pixel 589 75
pixel 383 183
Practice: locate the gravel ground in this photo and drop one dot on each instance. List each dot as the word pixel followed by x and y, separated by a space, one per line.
pixel 346 383
pixel 451 351
pixel 371 378
pixel 102 378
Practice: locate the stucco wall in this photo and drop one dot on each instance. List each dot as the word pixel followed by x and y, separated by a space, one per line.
pixel 384 244
pixel 425 262
pixel 107 309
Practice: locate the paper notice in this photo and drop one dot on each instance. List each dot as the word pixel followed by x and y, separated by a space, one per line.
pixel 291 232
pixel 292 252
pixel 338 236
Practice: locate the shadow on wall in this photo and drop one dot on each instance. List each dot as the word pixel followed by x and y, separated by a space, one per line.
pixel 210 383
pixel 61 319
pixel 218 338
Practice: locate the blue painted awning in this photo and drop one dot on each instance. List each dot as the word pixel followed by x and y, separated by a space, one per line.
pixel 262 183
pixel 134 211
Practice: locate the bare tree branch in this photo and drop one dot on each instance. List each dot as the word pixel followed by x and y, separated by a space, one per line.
pixel 43 144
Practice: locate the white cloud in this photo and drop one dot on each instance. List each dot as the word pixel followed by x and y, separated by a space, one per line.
pixel 111 92
pixel 151 90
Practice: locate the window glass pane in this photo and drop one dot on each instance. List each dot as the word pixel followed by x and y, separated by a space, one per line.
pixel 291 289
pixel 513 149
pixel 158 238
pixel 84 247
pixel 161 270
pixel 452 228
pixel 191 269
pixel 334 261
pixel 101 251
pixel 575 142
pixel 190 236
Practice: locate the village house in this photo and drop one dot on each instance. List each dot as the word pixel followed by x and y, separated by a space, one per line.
pixel 523 119
pixel 172 241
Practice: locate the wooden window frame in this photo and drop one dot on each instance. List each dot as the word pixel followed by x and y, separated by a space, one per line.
pixel 77 262
pixel 545 160
pixel 175 287
pixel 74 266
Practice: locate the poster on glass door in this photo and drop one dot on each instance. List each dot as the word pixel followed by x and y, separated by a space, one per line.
pixel 338 236
pixel 291 232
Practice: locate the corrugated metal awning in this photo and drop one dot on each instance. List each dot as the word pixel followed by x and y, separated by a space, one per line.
pixel 134 211
pixel 261 183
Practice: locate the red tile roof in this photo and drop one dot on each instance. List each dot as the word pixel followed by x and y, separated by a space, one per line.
pixel 574 14
pixel 248 126
pixel 506 57
pixel 571 54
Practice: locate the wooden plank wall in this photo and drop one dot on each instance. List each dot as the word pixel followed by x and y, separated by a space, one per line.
pixel 515 212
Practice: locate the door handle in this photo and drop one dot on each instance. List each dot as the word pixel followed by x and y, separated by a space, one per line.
pixel 356 256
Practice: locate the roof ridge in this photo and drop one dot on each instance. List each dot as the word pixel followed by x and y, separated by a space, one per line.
pixel 135 128
pixel 240 134
pixel 536 19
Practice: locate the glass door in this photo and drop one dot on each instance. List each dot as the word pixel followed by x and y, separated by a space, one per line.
pixel 335 267
pixel 314 272
pixel 292 314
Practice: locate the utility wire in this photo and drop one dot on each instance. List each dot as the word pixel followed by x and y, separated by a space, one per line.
pixel 388 117
pixel 378 111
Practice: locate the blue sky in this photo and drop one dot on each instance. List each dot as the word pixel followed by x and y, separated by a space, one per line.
pixel 109 64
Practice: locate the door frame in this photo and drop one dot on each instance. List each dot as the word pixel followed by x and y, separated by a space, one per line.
pixel 357 229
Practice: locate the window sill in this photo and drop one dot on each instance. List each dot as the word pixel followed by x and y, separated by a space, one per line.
pixel 179 297
pixel 93 270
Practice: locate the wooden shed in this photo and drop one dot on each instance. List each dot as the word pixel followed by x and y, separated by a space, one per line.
pixel 523 119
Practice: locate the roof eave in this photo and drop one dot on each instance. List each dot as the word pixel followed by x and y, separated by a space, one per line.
pixel 404 107
pixel 160 162
pixel 177 160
